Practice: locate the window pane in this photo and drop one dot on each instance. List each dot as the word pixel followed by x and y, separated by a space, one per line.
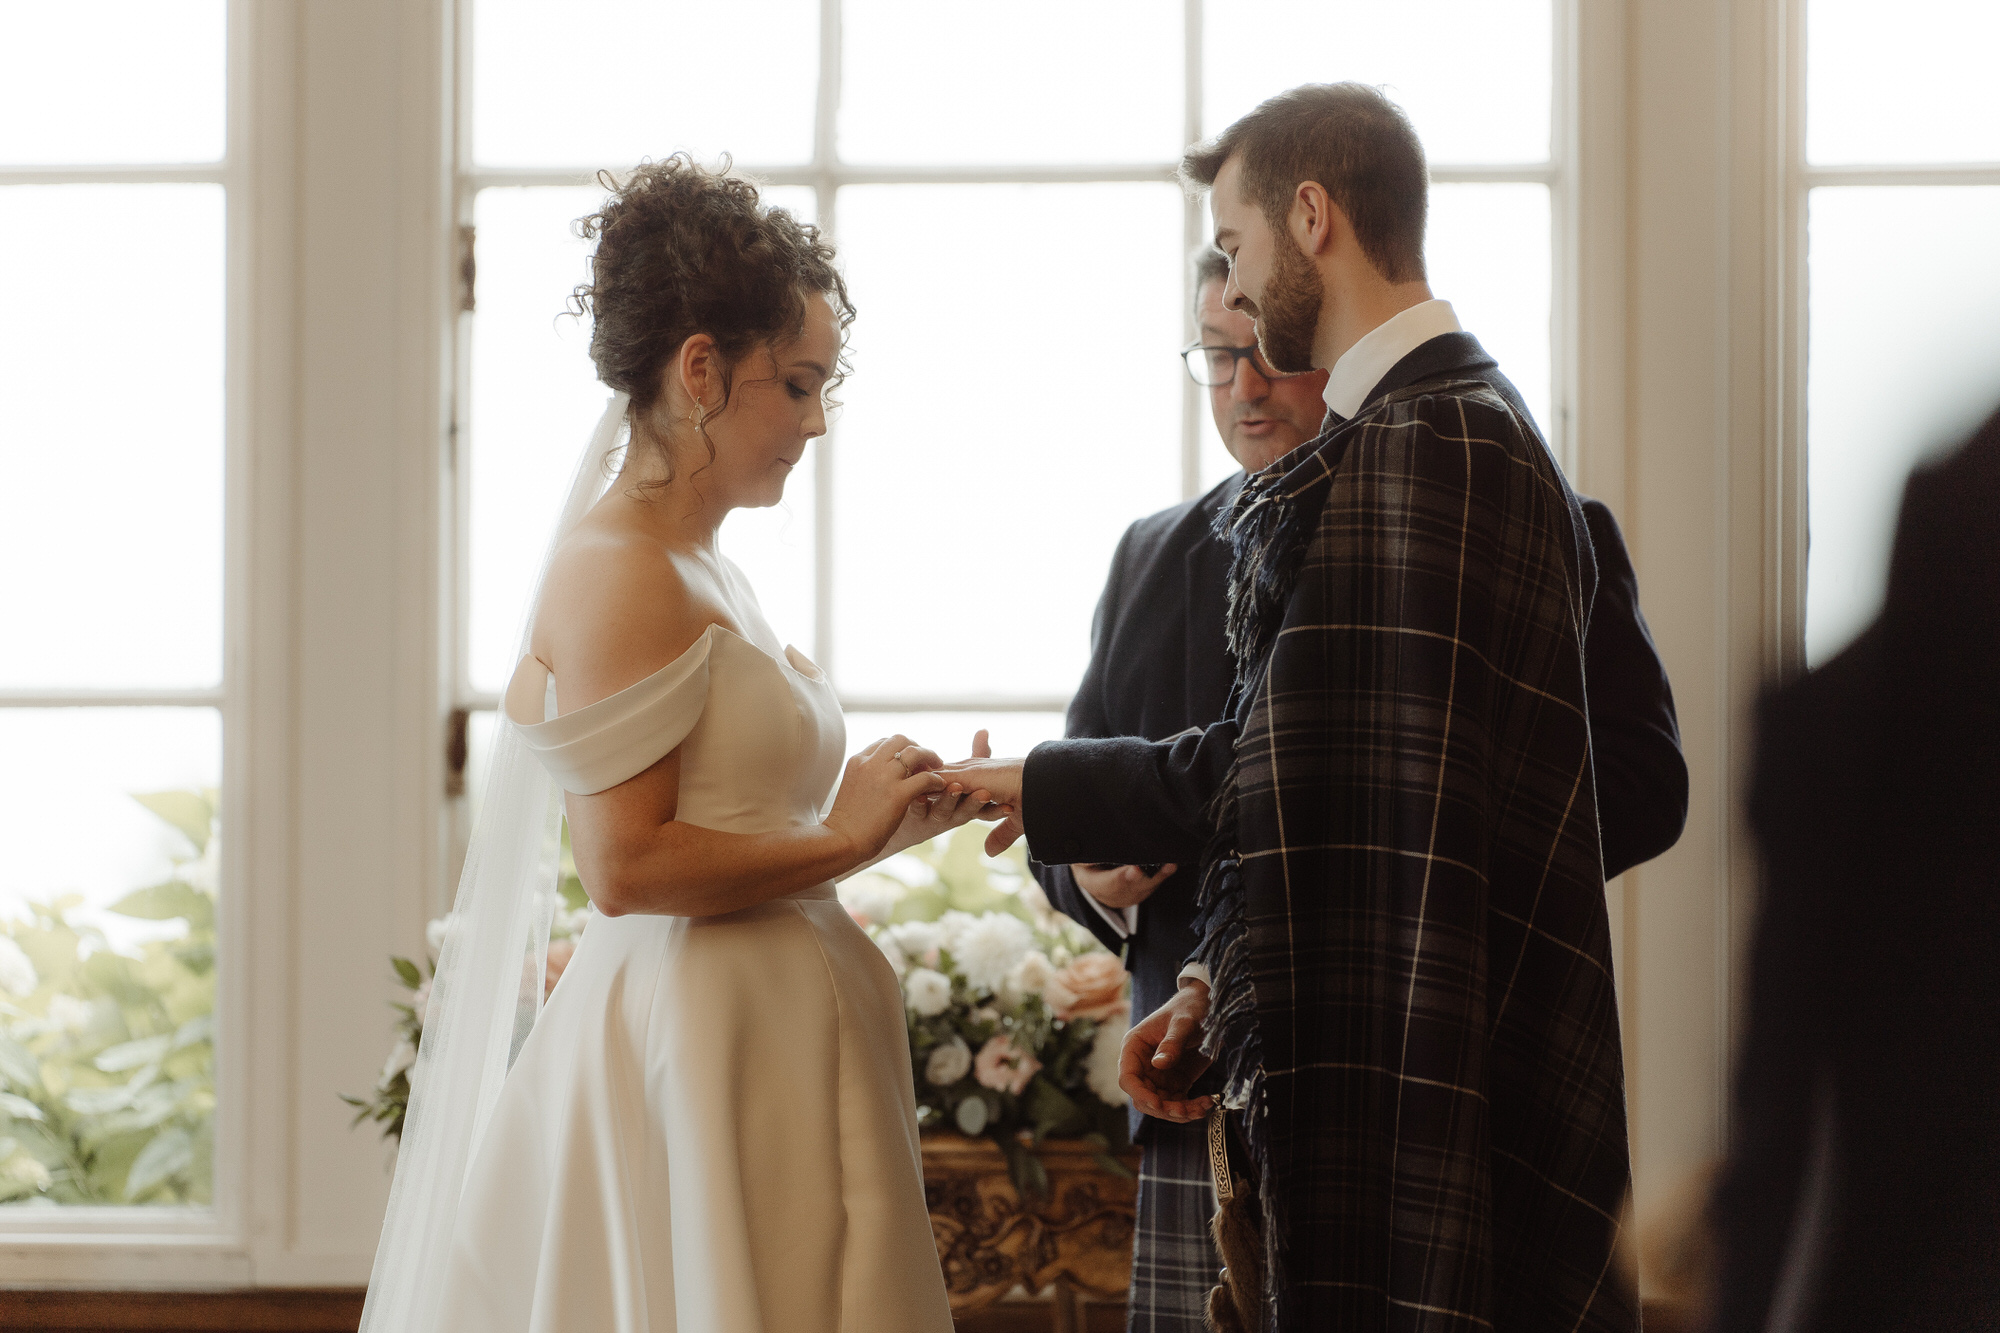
pixel 950 734
pixel 608 82
pixel 111 333
pixel 1488 253
pixel 1015 404
pixel 951 84
pixel 1904 334
pixel 125 81
pixel 107 953
pixel 535 397
pixel 1474 75
pixel 1909 82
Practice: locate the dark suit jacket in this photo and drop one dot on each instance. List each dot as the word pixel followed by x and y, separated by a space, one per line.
pixel 1865 1152
pixel 1159 665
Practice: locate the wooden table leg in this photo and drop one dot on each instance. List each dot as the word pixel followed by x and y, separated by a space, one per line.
pixel 1068 1308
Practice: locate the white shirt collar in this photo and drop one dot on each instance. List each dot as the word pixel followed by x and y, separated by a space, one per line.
pixel 1362 366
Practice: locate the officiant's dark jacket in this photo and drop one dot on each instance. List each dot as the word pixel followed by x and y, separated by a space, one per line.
pixel 1159 665
pixel 1863 1184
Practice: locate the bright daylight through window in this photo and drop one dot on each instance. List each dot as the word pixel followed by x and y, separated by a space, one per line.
pixel 1017 253
pixel 1903 210
pixel 112 334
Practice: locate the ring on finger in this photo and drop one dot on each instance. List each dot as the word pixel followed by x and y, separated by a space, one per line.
pixel 898 757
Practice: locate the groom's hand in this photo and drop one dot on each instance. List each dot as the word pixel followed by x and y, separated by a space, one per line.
pixel 1000 779
pixel 1162 1057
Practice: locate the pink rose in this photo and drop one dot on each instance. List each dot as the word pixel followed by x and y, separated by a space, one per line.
pixel 560 952
pixel 1003 1066
pixel 1092 986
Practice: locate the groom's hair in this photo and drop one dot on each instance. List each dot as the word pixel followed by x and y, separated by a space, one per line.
pixel 1359 147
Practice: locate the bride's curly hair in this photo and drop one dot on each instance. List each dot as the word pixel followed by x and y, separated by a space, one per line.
pixel 684 249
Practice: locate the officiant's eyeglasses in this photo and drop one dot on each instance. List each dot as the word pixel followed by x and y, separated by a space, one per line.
pixel 1214 367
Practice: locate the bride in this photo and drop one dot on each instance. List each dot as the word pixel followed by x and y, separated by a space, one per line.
pixel 710 1126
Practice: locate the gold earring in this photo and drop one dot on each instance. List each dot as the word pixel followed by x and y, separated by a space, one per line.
pixel 699 414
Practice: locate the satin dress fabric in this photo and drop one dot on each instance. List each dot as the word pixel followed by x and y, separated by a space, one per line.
pixel 711 1127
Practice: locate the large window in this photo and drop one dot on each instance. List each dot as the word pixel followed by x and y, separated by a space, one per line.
pixel 1001 192
pixel 113 195
pixel 1903 232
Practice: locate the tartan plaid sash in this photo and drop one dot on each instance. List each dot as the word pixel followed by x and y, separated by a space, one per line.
pixel 1403 908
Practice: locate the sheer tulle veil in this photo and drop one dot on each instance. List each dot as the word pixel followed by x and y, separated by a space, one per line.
pixel 488 988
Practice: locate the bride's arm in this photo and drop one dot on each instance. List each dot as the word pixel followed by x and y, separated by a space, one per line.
pixel 612 610
pixel 634 856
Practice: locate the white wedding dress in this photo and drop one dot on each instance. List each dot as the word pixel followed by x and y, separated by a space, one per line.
pixel 710 1128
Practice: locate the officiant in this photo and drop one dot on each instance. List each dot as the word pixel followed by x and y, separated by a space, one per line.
pixel 1159 665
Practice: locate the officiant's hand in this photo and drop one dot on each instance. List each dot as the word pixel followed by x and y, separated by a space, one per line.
pixel 1120 886
pixel 1162 1057
pixel 877 790
pixel 1000 779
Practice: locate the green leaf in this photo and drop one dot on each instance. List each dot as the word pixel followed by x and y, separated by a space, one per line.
pixel 99 1101
pixel 167 902
pixel 1024 1168
pixel 132 1054
pixel 21 1109
pixel 188 811
pixel 197 956
pixel 170 1154
pixel 407 970
pixel 1050 1112
pixel 17 1066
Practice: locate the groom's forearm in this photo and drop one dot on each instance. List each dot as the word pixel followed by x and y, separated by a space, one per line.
pixel 1124 799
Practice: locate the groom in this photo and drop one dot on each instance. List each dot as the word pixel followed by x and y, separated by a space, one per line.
pixel 1404 965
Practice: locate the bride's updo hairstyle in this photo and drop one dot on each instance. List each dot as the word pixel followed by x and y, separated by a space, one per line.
pixel 681 250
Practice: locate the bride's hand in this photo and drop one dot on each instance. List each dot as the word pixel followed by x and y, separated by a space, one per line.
pixel 877 792
pixel 949 809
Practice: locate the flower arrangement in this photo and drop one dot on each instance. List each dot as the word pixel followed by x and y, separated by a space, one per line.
pixel 1015 1013
pixel 389 1102
pixel 107 1057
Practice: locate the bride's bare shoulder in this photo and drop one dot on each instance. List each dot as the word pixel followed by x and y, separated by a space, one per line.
pixel 615 607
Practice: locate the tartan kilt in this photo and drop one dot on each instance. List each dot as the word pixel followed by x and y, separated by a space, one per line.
pixel 1174 1261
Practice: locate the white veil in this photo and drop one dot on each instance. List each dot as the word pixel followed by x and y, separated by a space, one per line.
pixel 488 988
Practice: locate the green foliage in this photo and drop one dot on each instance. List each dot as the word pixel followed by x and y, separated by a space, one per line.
pixel 107 1066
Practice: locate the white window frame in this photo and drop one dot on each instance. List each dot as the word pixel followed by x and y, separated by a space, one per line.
pixel 185 1243
pixel 826 174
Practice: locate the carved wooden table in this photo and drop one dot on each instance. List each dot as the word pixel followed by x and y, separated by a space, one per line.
pixel 1078 1240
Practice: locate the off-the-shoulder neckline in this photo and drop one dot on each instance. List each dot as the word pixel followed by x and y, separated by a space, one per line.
pixel 702 640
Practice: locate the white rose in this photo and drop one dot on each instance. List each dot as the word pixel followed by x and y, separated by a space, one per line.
pixel 420 1000
pixel 1029 977
pixel 919 940
pixel 400 1059
pixel 953 926
pixel 893 952
pixel 948 1064
pixel 929 992
pixel 435 932
pixel 1101 1070
pixel 870 899
pixel 17 973
pixel 988 949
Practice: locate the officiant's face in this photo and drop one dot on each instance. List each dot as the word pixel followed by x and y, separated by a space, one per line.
pixel 777 407
pixel 1261 417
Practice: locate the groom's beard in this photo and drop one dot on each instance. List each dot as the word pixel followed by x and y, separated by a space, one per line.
pixel 1288 316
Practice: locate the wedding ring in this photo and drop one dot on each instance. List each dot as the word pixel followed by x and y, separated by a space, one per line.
pixel 898 757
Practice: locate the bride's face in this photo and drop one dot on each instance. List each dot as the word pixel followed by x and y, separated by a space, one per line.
pixel 777 407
